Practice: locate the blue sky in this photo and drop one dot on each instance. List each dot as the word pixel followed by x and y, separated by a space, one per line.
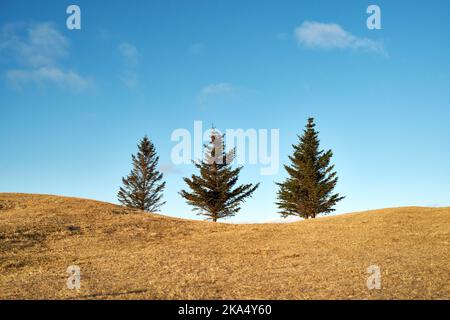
pixel 74 103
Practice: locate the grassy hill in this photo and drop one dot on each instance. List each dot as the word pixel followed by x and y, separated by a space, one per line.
pixel 126 254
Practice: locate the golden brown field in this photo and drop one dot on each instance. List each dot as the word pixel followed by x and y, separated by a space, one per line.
pixel 126 254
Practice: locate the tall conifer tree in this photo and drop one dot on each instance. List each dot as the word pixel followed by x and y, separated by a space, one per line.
pixel 212 192
pixel 142 188
pixel 308 190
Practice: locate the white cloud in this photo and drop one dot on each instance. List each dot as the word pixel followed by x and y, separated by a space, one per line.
pixel 39 44
pixel 37 49
pixel 130 57
pixel 48 75
pixel 129 53
pixel 332 36
pixel 214 90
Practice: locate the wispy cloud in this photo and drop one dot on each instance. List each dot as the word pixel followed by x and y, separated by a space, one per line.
pixel 38 50
pixel 129 53
pixel 214 90
pixel 130 56
pixel 34 46
pixel 327 36
pixel 48 75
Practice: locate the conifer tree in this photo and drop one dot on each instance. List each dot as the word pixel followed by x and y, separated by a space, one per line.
pixel 308 190
pixel 142 188
pixel 213 194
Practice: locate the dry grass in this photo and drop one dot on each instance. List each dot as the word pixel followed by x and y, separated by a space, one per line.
pixel 126 254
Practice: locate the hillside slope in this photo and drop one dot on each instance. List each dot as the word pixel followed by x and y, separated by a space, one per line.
pixel 130 254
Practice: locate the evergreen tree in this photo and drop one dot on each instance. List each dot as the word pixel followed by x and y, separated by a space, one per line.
pixel 142 188
pixel 213 194
pixel 308 191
